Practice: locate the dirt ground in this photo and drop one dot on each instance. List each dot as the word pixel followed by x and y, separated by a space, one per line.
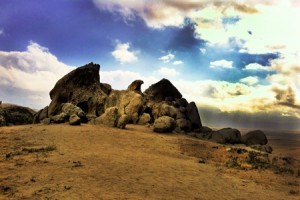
pixel 97 162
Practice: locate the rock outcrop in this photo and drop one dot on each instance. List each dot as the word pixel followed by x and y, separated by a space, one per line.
pixel 161 91
pixel 109 118
pixel 164 124
pixel 254 138
pixel 226 135
pixel 15 115
pixel 80 87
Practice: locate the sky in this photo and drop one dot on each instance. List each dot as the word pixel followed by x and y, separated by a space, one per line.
pixel 238 60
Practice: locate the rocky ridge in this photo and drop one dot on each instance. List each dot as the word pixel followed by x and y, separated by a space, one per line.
pixel 80 97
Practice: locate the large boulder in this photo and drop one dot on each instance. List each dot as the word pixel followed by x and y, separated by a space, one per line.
pixel 193 115
pixel 129 103
pixel 183 125
pixel 164 124
pixel 255 137
pixel 144 119
pixel 16 115
pixel 109 118
pixel 160 109
pixel 80 87
pixel 226 135
pixel 135 86
pixel 40 115
pixel 161 91
pixel 71 109
pixel 59 118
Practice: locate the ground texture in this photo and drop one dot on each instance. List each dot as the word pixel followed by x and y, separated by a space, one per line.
pixel 97 162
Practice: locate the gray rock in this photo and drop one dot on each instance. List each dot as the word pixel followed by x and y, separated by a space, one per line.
pixel 74 120
pixel 182 102
pixel 162 90
pixel 71 109
pixel 15 115
pixel 226 135
pixel 164 124
pixel 255 137
pixel 193 115
pixel 183 125
pixel 80 87
pixel 40 115
pixel 60 118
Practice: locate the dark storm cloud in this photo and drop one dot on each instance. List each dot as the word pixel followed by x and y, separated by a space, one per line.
pixel 286 97
pixel 260 120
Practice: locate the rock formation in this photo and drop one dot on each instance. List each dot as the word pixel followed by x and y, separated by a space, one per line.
pixel 80 97
pixel 80 87
pixel 161 91
pixel 254 138
pixel 15 115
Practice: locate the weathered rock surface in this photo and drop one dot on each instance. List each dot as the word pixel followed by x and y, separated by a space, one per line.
pixel 226 135
pixel 164 124
pixel 59 118
pixel 109 118
pixel 74 120
pixel 183 125
pixel 144 119
pixel 106 88
pixel 80 87
pixel 162 90
pixel 80 92
pixel 122 121
pixel 16 115
pixel 193 115
pixel 135 86
pixel 255 137
pixel 127 102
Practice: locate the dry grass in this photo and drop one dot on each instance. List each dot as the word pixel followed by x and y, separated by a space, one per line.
pixel 96 162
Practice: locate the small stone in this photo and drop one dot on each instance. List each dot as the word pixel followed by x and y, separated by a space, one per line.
pixel 74 120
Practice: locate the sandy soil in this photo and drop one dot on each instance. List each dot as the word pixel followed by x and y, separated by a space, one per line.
pixel 96 162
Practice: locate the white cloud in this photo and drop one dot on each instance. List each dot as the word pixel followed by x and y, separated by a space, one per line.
pixel 178 62
pixel 257 67
pixel 168 72
pixel 202 50
pixel 120 79
pixel 1 31
pixel 167 58
pixel 122 53
pixel 250 80
pixel 221 64
pixel 29 74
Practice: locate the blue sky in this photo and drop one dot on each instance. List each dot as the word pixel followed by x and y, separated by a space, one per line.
pixel 233 56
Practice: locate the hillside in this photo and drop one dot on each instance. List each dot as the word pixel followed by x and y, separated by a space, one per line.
pixel 98 162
